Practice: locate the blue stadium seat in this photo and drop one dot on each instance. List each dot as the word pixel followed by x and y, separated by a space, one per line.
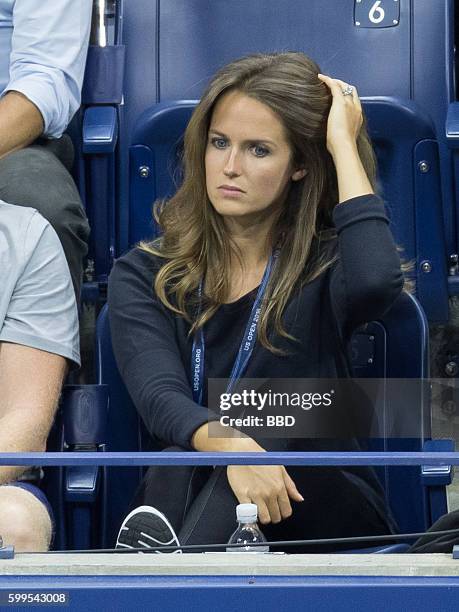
pixel 407 57
pixel 395 347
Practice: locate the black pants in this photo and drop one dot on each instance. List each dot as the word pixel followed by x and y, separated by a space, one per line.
pixel 38 176
pixel 200 505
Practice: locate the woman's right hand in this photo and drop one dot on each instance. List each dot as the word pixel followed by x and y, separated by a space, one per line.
pixel 268 486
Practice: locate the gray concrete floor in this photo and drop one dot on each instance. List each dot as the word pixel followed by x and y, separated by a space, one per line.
pixel 227 564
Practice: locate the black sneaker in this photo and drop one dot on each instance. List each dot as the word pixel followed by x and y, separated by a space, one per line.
pixel 146 527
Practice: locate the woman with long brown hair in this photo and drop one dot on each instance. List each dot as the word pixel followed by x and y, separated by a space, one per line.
pixel 273 250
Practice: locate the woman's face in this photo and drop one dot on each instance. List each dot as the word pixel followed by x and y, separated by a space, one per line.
pixel 248 159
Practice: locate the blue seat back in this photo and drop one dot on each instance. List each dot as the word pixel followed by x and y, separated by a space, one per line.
pixel 408 58
pixel 400 350
pixel 186 41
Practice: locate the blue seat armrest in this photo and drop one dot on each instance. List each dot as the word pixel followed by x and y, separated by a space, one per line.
pixel 85 424
pixel 437 475
pixel 81 483
pixel 100 130
pixel 85 410
pixel 85 415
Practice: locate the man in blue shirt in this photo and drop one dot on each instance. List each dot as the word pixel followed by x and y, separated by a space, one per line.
pixel 43 48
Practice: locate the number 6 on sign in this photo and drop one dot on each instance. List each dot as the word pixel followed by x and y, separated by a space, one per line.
pixel 376 14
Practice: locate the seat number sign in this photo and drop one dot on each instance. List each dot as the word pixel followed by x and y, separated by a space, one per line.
pixel 376 13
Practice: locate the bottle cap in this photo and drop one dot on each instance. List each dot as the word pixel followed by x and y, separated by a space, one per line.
pixel 247 513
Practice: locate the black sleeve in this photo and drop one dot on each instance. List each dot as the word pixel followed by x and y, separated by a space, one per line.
pixel 367 277
pixel 147 353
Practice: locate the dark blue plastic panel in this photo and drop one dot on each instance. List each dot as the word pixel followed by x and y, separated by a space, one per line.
pixel 104 75
pixel 407 355
pixel 155 162
pixel 248 593
pixel 433 87
pixel 100 136
pixel 86 414
pixel 196 37
pixel 431 255
pixel 101 212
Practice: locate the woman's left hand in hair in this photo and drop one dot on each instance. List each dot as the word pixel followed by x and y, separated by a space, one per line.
pixel 345 118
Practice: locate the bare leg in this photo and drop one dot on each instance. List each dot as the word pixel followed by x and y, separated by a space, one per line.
pixel 24 521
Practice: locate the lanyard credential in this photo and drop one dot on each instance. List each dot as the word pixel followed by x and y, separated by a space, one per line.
pixel 247 345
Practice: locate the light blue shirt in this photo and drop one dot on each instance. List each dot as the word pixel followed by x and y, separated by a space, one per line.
pixel 37 301
pixel 43 46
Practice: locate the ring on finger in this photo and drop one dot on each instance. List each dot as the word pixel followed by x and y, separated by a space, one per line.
pixel 347 91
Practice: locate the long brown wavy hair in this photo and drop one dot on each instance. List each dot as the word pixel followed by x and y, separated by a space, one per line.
pixel 195 243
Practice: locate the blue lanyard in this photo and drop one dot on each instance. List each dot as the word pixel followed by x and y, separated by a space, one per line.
pixel 245 349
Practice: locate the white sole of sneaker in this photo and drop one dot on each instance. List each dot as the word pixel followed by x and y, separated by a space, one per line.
pixel 156 512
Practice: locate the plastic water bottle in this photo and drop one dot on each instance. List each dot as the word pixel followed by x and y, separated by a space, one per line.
pixel 247 531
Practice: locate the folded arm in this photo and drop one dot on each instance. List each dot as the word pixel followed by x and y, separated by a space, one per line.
pixel 20 122
pixel 47 61
pixel 368 277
